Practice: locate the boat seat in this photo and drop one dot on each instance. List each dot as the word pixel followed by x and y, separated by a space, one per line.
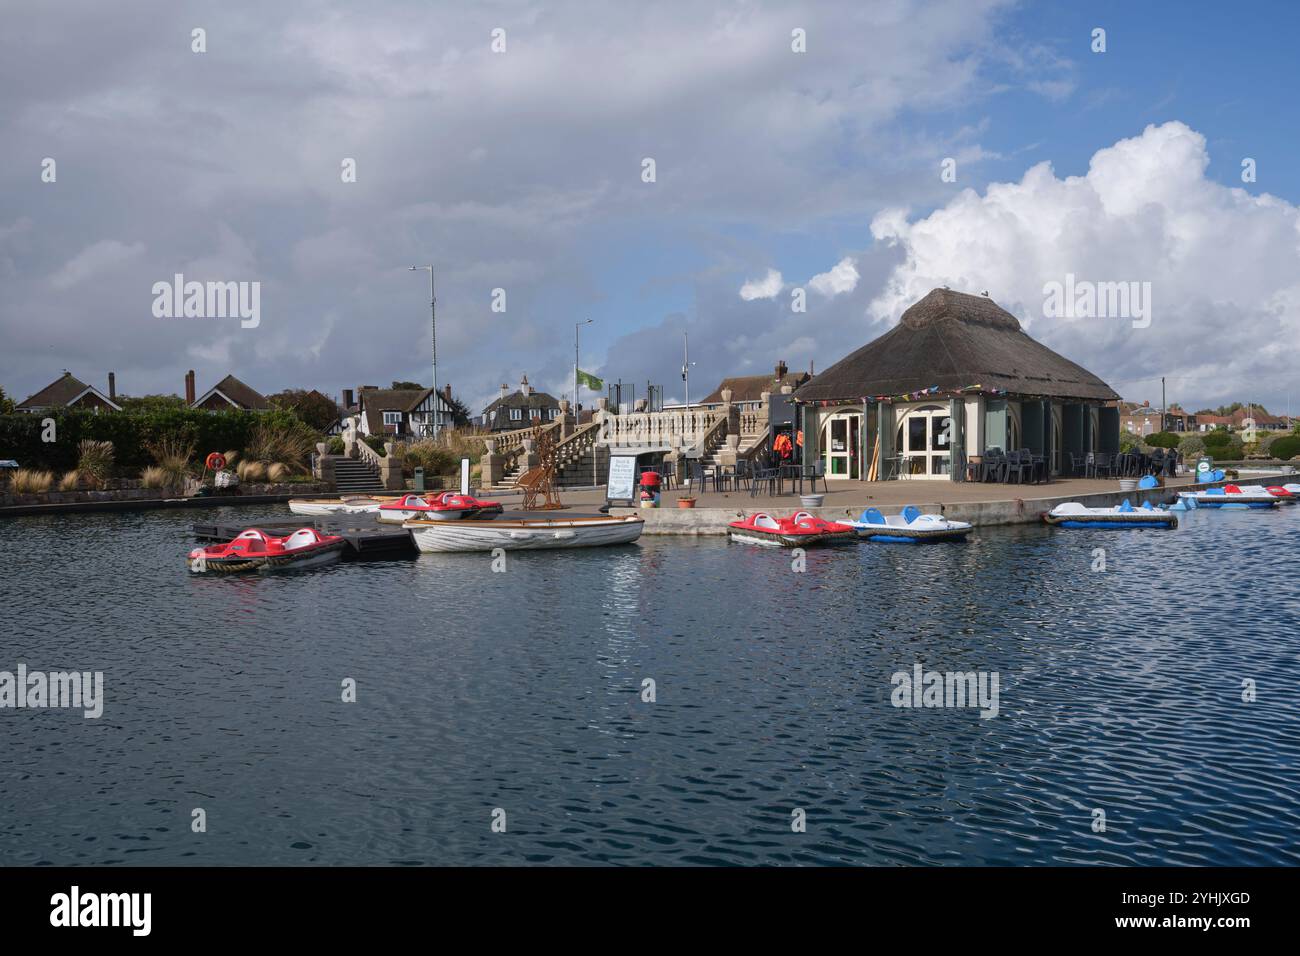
pixel 911 513
pixel 872 516
pixel 302 538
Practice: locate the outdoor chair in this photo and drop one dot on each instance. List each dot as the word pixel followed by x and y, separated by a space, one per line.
pixel 740 474
pixel 763 477
pixel 992 466
pixel 1038 468
pixel 667 475
pixel 1172 458
pixel 813 472
pixel 1078 466
pixel 695 475
pixel 1102 464
pixel 1018 465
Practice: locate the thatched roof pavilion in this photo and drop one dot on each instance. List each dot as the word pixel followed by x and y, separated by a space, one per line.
pixel 955 341
pixel 955 379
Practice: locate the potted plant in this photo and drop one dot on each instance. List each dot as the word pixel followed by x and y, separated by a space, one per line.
pixel 686 502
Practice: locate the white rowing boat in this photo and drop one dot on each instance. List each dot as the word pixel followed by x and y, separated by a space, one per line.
pixel 524 533
pixel 319 507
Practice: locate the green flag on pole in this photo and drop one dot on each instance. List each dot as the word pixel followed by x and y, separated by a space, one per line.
pixel 591 381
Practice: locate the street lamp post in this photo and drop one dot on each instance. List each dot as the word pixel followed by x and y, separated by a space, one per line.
pixel 433 328
pixel 576 327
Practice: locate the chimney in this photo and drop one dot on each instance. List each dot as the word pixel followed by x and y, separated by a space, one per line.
pixel 781 369
pixel 189 387
pixel 347 398
pixel 112 387
pixel 446 393
pixel 505 390
pixel 525 387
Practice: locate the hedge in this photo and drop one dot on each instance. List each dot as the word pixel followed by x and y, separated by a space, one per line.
pixel 1163 440
pixel 130 432
pixel 1288 446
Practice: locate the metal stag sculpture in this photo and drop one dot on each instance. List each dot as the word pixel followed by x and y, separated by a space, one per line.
pixel 538 482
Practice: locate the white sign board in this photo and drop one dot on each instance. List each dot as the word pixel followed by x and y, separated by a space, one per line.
pixel 621 485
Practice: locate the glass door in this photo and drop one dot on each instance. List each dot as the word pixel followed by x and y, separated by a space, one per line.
pixel 925 441
pixel 841 441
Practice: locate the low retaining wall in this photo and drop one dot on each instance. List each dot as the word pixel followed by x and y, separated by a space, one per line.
pixel 982 514
pixel 131 499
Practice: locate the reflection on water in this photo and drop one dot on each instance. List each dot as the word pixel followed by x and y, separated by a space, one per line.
pixel 1120 691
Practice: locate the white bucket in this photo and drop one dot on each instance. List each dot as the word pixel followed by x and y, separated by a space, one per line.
pixel 1128 484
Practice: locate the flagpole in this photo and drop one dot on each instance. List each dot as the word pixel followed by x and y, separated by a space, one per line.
pixel 576 327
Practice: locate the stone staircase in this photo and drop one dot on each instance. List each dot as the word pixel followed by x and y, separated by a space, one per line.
pixel 356 476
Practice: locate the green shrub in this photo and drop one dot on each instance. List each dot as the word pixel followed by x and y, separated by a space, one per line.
pixel 95 462
pixel 1191 447
pixel 429 456
pixel 334 445
pixel 1162 440
pixel 1128 441
pixel 376 442
pixel 1288 446
pixel 1223 446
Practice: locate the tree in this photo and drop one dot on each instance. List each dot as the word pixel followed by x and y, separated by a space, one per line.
pixel 7 406
pixel 408 387
pixel 460 415
pixel 317 410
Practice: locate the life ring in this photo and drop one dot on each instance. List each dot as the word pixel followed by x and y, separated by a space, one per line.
pixel 216 461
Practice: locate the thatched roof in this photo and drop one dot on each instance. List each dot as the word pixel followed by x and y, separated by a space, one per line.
pixel 954 341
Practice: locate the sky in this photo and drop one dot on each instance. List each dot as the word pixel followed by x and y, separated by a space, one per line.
pixel 506 144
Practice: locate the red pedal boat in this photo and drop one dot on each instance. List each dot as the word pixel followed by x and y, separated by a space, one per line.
pixel 801 530
pixel 448 506
pixel 254 550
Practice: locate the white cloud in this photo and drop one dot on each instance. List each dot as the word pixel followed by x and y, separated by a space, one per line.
pixel 764 288
pixel 93 260
pixel 842 277
pixel 1219 259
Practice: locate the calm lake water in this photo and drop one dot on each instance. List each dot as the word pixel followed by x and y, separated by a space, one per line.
pixel 1119 691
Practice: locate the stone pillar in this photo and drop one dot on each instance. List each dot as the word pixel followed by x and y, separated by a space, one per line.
pixel 729 453
pixel 568 422
pixel 733 414
pixel 390 469
pixel 528 458
pixel 492 465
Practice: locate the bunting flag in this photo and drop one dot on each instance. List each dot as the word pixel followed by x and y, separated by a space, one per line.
pixel 591 381
pixel 901 397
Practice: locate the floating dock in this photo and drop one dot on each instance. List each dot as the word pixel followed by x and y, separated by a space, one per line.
pixel 368 538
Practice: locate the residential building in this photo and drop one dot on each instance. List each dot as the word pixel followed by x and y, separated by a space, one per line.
pixel 68 391
pixel 519 409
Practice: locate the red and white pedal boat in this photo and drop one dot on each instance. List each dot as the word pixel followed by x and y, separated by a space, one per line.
pixel 800 530
pixel 254 550
pixel 448 506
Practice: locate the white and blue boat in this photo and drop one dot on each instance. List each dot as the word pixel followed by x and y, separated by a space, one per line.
pixel 1072 514
pixel 909 527
pixel 1230 496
